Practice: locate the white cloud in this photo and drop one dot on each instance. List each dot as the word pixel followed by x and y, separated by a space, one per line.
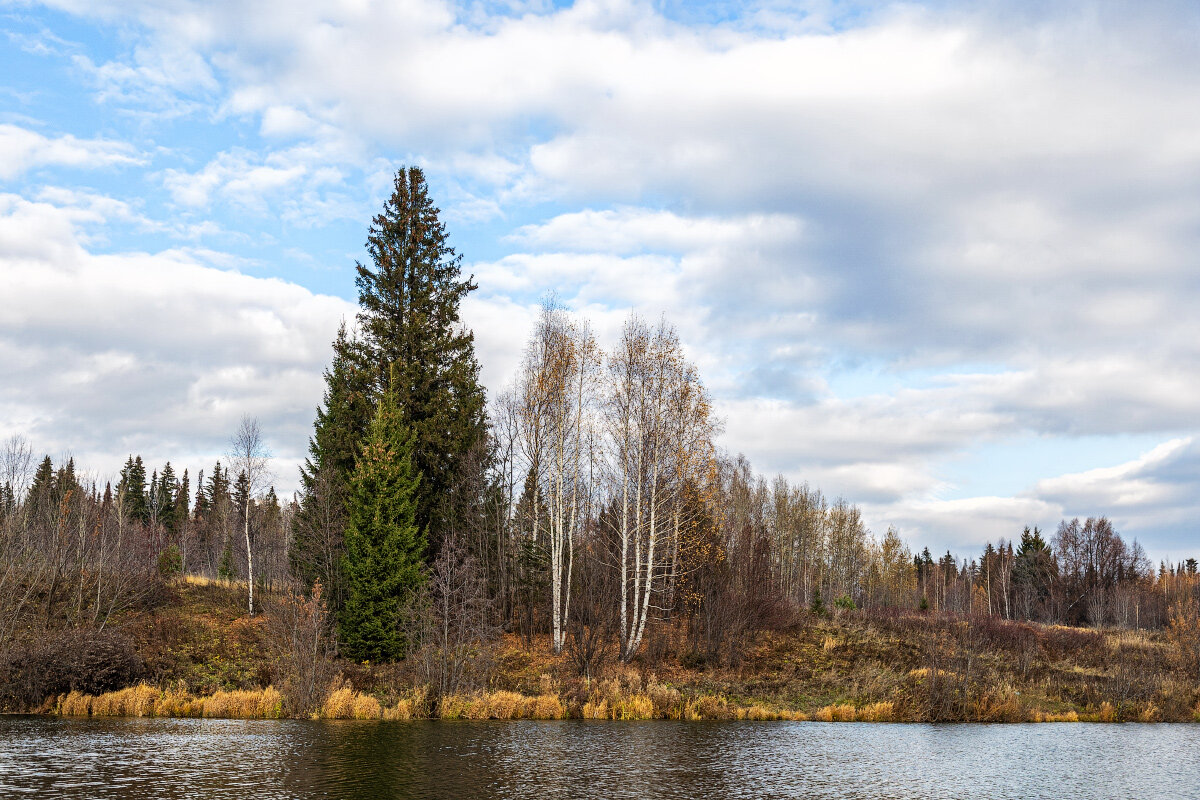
pixel 801 190
pixel 23 150
pixel 158 353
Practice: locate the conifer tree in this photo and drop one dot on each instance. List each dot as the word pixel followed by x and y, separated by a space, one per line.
pixel 164 498
pixel 132 487
pixel 410 298
pixel 338 433
pixel 41 490
pixel 342 420
pixel 385 546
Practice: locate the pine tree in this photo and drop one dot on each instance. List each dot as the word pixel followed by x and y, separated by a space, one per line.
pixel 384 545
pixel 65 480
pixel 410 298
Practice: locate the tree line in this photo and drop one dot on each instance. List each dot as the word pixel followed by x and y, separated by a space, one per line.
pixel 588 503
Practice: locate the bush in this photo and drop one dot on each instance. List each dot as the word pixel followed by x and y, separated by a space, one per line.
pixel 89 662
pixel 170 562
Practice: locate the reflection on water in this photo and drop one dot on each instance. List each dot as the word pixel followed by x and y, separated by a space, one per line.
pixel 127 758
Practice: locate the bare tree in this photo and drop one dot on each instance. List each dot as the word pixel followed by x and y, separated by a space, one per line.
pixel 301 635
pixel 16 465
pixel 448 623
pixel 250 457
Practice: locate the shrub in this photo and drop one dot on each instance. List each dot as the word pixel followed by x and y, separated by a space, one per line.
pixel 90 662
pixel 170 562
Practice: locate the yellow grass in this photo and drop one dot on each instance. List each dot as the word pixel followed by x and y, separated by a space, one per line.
pixel 877 712
pixel 244 704
pixel 502 705
pixel 1038 715
pixel 546 706
pixel 836 713
pixel 708 707
pixel 633 706
pixel 146 701
pixel 76 704
pixel 599 710
pixel 758 712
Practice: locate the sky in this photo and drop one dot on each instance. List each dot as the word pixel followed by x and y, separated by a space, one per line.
pixel 940 259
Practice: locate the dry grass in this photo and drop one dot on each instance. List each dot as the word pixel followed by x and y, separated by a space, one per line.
pixel 345 703
pixel 841 712
pixel 1048 716
pixel 546 706
pixel 599 710
pixel 245 704
pixel 884 711
pixel 146 701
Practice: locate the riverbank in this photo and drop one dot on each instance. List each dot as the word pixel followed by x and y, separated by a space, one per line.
pixel 201 656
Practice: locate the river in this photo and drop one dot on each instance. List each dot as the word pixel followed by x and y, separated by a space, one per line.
pixel 46 757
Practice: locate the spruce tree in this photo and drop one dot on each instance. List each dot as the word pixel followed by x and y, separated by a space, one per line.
pixel 342 421
pixel 164 498
pixel 409 297
pixel 41 490
pixel 338 433
pixel 132 487
pixel 382 565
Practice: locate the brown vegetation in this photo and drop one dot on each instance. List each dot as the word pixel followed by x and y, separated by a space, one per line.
pixel 860 666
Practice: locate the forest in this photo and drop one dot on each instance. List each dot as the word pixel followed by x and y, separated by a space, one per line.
pixel 585 514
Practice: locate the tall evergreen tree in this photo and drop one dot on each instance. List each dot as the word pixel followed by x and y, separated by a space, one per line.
pixel 409 297
pixel 200 511
pixel 384 544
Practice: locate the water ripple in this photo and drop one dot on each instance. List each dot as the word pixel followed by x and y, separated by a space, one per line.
pixel 162 758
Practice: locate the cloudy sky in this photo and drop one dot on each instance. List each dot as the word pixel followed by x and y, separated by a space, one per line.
pixel 942 259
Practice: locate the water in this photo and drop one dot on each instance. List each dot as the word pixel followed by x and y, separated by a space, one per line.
pixel 131 758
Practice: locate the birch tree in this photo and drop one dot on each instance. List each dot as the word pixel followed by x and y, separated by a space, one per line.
pixel 659 434
pixel 250 457
pixel 552 404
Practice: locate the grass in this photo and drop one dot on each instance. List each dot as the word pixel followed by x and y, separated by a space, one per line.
pixel 145 701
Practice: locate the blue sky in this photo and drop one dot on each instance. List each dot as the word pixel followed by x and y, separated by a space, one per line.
pixel 939 259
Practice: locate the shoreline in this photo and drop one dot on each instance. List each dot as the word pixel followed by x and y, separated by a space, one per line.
pixel 145 702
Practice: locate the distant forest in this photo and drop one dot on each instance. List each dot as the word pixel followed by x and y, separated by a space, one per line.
pixel 586 503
